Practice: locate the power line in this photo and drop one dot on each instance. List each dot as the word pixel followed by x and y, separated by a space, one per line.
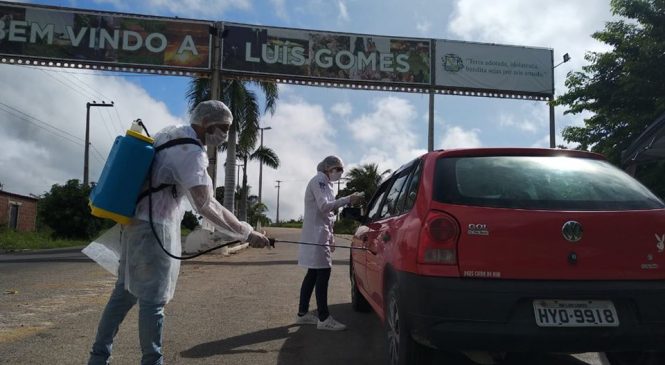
pixel 106 125
pixel 101 157
pixel 24 116
pixel 91 91
pixel 43 128
pixel 119 120
pixel 66 85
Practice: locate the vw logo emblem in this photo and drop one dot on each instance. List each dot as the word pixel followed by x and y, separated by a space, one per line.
pixel 572 231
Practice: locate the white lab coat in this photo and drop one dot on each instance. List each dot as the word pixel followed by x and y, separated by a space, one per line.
pixel 318 222
pixel 147 272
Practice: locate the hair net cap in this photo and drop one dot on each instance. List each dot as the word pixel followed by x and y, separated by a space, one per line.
pixel 212 112
pixel 328 163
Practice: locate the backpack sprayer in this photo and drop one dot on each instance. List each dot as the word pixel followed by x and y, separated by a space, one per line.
pixel 118 189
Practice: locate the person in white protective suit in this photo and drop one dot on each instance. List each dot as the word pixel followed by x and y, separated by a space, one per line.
pixel 146 274
pixel 320 204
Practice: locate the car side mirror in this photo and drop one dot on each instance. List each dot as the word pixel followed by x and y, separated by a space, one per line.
pixel 353 213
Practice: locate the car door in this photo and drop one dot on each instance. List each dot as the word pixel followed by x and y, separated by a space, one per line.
pixel 383 228
pixel 362 236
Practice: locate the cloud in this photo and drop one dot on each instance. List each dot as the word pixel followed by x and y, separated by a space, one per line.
pixel 43 128
pixel 513 121
pixel 302 136
pixel 423 27
pixel 200 9
pixel 343 12
pixel 342 109
pixel 543 142
pixel 385 133
pixel 280 9
pixel 457 137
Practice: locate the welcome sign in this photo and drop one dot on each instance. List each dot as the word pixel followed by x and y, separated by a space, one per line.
pixel 482 66
pixel 325 55
pixel 63 37
pixel 103 38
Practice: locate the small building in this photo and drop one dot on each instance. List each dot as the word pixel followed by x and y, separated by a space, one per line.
pixel 18 212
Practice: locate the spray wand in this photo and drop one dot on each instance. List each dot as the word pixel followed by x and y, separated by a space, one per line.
pixel 273 240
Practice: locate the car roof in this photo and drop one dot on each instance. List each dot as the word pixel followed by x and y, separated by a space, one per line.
pixel 505 151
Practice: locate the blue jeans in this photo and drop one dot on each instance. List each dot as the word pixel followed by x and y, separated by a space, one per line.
pixel 151 320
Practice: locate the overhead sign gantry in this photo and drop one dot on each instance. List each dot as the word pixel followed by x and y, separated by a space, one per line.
pixel 72 38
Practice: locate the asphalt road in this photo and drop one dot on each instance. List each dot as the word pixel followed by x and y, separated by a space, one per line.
pixel 236 309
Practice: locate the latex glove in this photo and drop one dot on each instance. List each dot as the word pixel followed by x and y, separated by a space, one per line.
pixel 356 197
pixel 258 240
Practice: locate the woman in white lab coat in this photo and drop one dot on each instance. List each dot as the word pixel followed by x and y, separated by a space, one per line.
pixel 320 204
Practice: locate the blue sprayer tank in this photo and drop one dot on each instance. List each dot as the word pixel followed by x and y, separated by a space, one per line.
pixel 123 177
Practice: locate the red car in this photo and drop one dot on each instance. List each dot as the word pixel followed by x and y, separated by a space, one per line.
pixel 513 250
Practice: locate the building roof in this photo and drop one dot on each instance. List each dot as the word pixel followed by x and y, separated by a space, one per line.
pixel 6 193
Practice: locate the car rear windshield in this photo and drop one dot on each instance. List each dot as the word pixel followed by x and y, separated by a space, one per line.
pixel 537 182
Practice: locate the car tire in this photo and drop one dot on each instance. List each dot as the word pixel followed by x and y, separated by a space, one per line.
pixel 401 349
pixel 358 301
pixel 635 358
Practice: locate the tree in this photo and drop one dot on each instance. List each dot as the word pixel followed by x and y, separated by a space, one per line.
pixel 623 89
pixel 256 212
pixel 65 210
pixel 236 94
pixel 365 178
pixel 190 221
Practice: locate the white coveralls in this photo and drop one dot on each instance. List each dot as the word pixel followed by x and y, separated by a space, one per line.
pixel 318 222
pixel 147 271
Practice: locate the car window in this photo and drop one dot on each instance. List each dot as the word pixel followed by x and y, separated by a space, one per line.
pixel 373 207
pixel 388 208
pixel 408 196
pixel 539 182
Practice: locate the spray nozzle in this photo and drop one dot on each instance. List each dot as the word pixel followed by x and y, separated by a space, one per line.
pixel 136 126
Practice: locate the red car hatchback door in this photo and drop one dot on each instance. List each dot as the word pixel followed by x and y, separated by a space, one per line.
pixel 551 217
pixel 527 244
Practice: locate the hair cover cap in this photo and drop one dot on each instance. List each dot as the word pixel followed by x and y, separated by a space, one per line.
pixel 212 112
pixel 328 163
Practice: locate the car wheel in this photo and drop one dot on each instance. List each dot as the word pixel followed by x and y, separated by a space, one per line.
pixel 400 346
pixel 358 301
pixel 635 358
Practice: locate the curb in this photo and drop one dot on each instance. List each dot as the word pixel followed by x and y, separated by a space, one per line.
pixel 237 248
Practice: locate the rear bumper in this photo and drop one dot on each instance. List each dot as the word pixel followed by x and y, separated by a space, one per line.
pixel 468 314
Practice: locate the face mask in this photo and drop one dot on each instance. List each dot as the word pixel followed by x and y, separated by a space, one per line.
pixel 335 175
pixel 216 138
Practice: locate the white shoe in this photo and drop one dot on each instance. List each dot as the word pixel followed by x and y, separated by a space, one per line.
pixel 330 324
pixel 308 318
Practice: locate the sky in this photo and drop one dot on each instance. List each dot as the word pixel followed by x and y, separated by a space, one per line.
pixel 43 110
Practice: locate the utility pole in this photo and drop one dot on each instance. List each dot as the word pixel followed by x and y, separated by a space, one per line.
pixel 278 186
pixel 261 164
pixel 566 58
pixel 87 137
pixel 215 95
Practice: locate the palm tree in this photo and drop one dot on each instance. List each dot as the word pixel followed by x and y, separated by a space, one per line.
pixel 245 109
pixel 365 178
pixel 256 212
pixel 246 151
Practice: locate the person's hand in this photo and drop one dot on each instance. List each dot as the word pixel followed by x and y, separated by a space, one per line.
pixel 258 240
pixel 356 197
pixel 331 244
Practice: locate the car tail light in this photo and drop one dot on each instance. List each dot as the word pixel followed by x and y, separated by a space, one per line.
pixel 438 240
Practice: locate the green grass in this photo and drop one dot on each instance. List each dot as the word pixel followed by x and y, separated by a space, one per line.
pixel 12 240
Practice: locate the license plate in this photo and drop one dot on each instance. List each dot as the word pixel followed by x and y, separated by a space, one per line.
pixel 575 313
